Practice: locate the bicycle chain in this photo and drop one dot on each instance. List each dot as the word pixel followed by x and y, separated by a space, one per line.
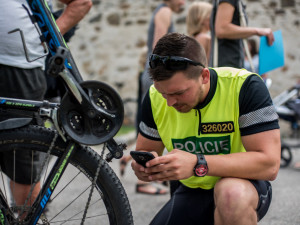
pixel 93 185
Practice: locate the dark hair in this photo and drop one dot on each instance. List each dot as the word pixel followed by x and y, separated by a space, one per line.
pixel 175 44
pixel 253 49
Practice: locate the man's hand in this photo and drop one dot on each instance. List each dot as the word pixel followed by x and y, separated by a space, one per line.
pixel 266 32
pixel 175 165
pixel 139 170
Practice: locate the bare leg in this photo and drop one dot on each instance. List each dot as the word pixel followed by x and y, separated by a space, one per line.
pixel 21 191
pixel 236 201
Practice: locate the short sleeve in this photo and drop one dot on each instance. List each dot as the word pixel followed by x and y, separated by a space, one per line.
pixel 147 126
pixel 257 112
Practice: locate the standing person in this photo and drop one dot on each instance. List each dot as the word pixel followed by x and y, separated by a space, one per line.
pixel 197 23
pixel 160 24
pixel 225 24
pixel 214 122
pixel 24 80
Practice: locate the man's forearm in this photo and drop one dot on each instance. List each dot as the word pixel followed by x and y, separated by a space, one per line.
pixel 73 13
pixel 232 31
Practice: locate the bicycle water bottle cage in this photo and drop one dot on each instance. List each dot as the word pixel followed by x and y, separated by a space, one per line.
pixel 95 122
pixel 56 62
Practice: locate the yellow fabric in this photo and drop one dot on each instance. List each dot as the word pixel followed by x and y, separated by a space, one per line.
pixel 218 118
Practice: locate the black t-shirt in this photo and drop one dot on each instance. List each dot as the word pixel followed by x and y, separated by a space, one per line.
pixel 230 51
pixel 254 96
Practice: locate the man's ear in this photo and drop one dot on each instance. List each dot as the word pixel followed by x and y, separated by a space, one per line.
pixel 205 75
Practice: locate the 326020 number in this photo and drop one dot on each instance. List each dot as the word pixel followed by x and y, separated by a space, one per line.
pixel 221 127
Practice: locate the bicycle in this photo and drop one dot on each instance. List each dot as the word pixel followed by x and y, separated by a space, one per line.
pixel 287 107
pixel 78 184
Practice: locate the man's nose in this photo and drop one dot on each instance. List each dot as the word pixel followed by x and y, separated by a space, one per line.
pixel 171 100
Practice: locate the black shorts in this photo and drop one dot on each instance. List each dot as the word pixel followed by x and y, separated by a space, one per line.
pixel 23 84
pixel 21 166
pixel 196 206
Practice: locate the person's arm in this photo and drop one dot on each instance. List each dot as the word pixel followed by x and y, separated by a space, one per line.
pixel 74 12
pixel 205 41
pixel 225 29
pixel 260 162
pixel 162 22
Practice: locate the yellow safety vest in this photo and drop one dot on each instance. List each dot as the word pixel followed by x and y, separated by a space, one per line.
pixel 211 130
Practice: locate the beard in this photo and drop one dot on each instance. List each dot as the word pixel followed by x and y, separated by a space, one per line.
pixel 182 108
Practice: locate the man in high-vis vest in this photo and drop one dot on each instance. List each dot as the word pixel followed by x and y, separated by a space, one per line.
pixel 221 132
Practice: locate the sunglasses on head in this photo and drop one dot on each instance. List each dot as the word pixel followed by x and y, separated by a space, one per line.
pixel 172 62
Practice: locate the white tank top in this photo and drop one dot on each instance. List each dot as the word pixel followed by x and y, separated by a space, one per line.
pixel 13 16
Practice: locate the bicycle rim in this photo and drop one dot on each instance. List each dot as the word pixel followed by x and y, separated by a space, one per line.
pixel 109 203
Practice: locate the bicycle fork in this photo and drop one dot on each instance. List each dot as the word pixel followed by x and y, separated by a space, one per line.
pixel 50 184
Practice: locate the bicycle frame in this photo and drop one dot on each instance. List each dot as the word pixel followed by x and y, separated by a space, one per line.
pixel 61 163
pixel 45 109
pixel 72 77
pixel 52 36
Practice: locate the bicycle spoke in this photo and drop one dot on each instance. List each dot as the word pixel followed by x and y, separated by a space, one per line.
pixel 70 203
pixel 31 177
pixel 66 185
pixel 71 218
pixel 38 177
pixel 14 175
pixel 88 217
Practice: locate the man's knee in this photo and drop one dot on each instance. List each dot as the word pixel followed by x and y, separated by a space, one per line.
pixel 234 197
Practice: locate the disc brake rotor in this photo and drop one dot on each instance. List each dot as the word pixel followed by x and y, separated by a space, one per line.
pixel 100 128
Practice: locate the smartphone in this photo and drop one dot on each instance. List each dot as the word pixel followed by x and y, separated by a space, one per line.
pixel 142 157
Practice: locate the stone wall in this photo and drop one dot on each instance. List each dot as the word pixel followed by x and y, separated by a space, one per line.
pixel 112 36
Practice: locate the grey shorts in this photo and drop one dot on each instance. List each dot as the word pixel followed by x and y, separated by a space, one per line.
pixel 23 84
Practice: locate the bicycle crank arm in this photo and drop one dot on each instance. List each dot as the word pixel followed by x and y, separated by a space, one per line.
pixel 115 150
pixel 75 89
pixel 84 99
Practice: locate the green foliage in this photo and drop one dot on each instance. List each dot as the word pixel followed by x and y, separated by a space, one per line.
pixel 125 129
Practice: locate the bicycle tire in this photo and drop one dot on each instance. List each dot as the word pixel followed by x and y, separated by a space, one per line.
pixel 85 160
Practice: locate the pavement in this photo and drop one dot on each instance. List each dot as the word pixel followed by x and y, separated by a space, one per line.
pixel 284 209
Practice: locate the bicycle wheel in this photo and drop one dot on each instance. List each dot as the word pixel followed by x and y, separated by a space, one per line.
pixel 109 203
pixel 286 155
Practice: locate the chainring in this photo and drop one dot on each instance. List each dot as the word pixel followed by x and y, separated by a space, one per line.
pixel 99 129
